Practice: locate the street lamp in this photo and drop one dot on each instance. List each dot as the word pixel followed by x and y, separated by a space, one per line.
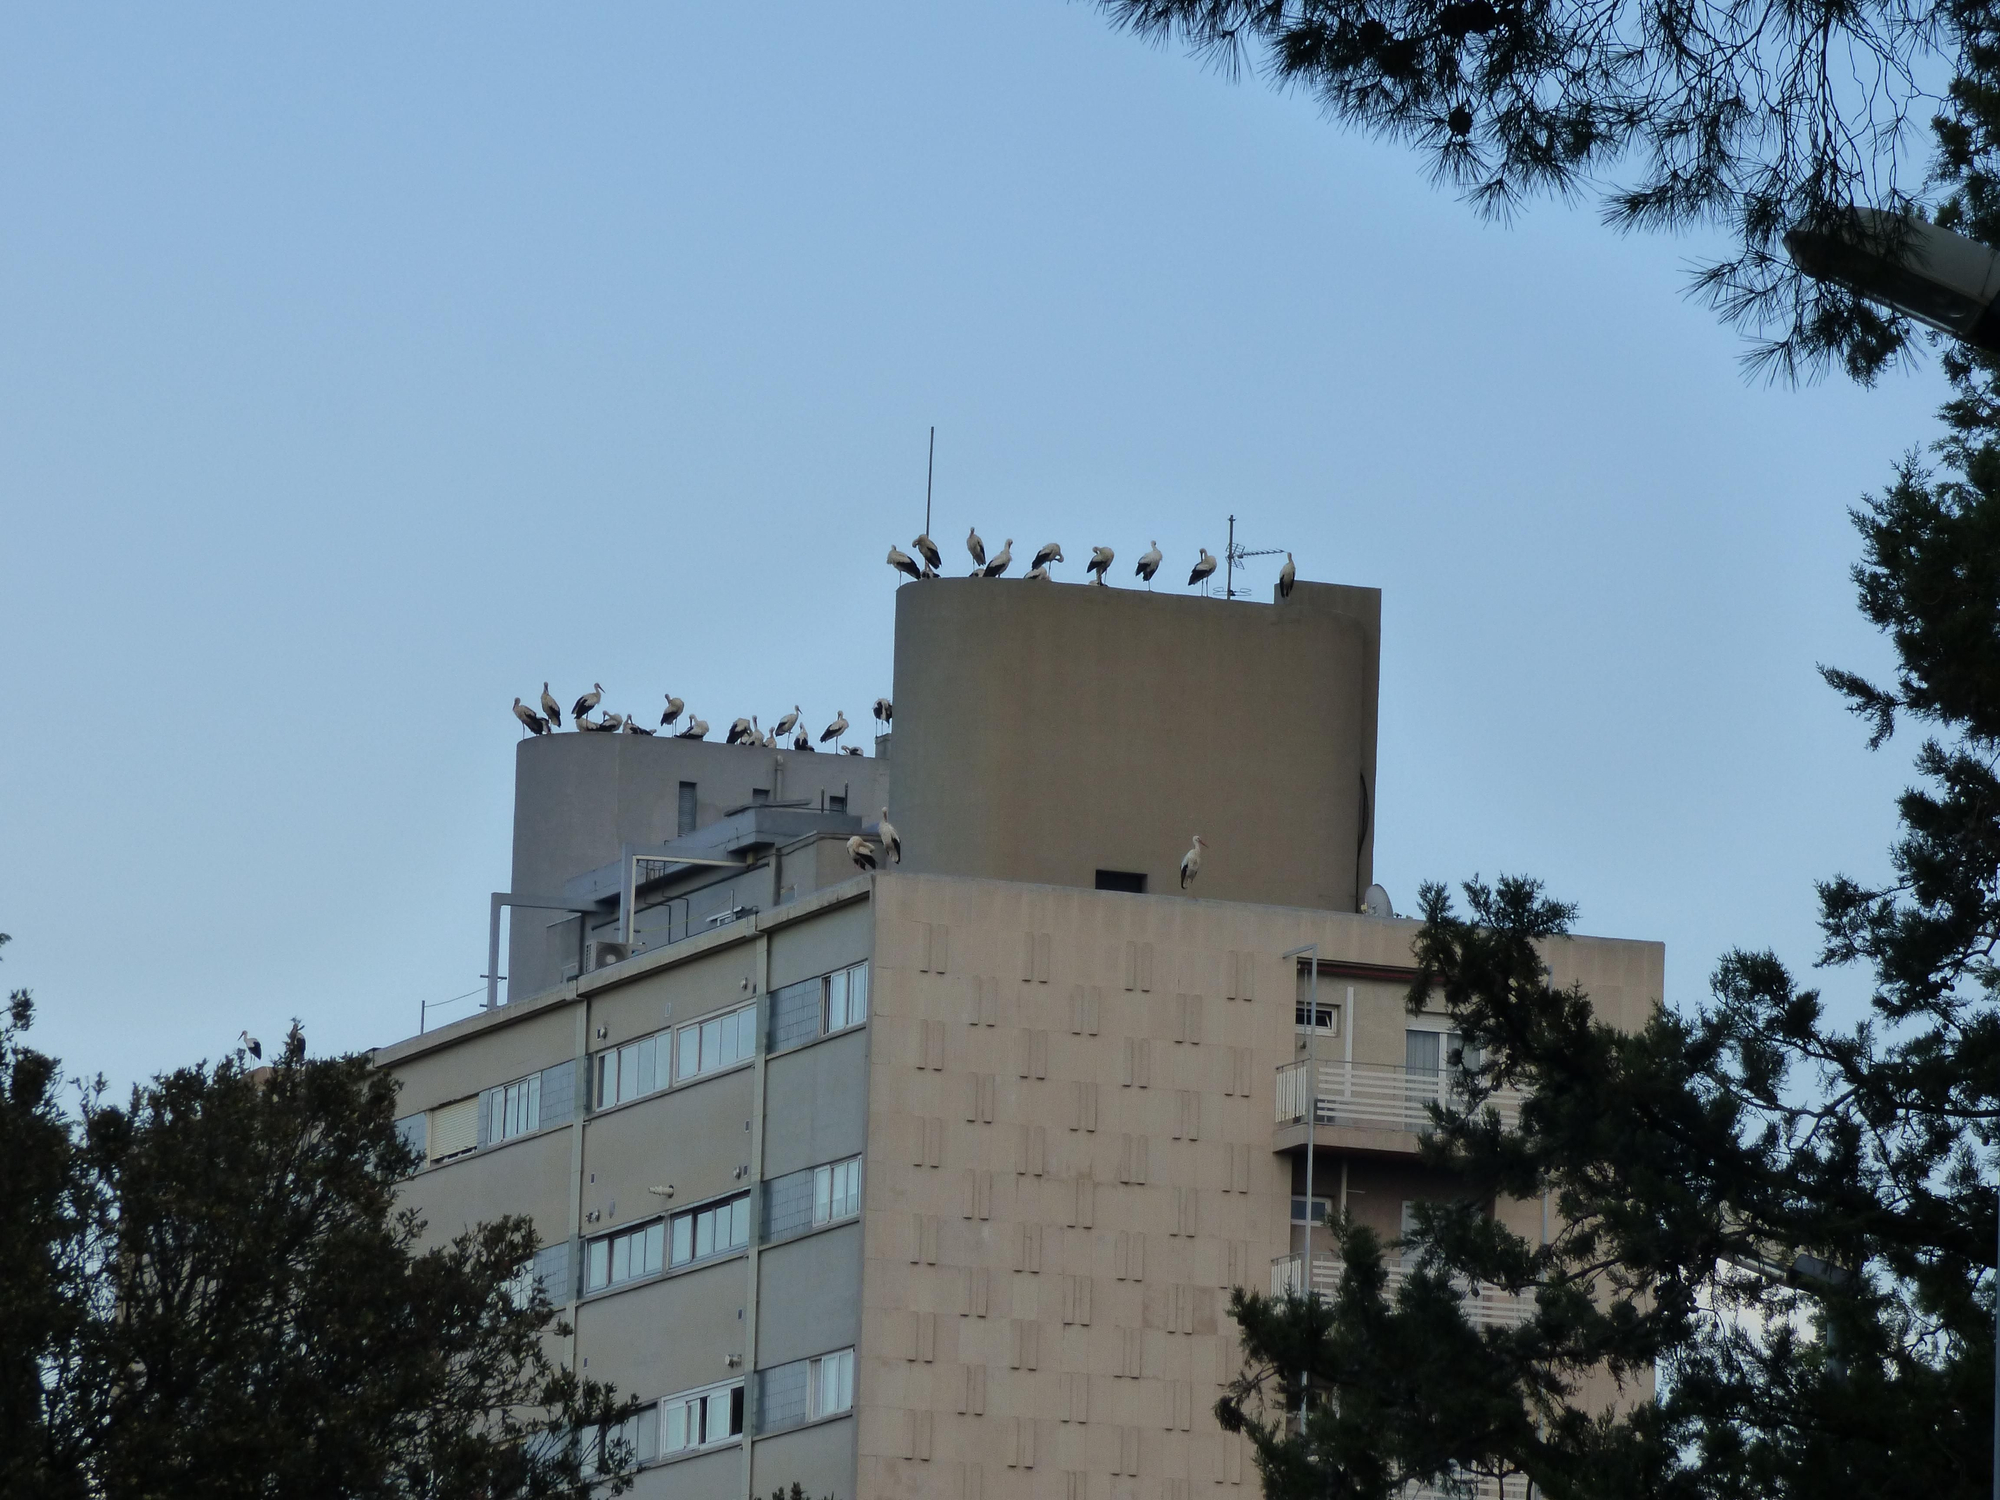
pixel 1939 278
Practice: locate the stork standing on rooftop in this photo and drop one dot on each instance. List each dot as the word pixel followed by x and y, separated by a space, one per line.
pixel 836 729
pixel 1149 564
pixel 1287 576
pixel 673 711
pixel 902 562
pixel 1051 552
pixel 588 701
pixel 790 722
pixel 1002 561
pixel 892 843
pixel 860 851
pixel 535 723
pixel 697 729
pixel 1191 862
pixel 885 711
pixel 977 548
pixel 1100 562
pixel 1203 568
pixel 928 551
pixel 551 710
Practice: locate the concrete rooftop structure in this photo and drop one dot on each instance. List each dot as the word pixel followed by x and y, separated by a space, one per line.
pixel 935 1181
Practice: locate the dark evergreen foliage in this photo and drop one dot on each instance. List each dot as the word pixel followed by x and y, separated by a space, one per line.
pixel 1785 1217
pixel 1755 117
pixel 229 1302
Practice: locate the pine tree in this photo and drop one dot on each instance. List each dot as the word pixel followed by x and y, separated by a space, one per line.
pixel 1785 1218
pixel 232 1303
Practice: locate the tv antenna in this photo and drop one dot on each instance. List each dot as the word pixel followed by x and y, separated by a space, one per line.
pixel 930 469
pixel 1234 554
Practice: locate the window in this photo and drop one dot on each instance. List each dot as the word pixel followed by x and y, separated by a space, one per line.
pixel 759 795
pixel 1422 1051
pixel 718 1042
pixel 837 1191
pixel 615 1258
pixel 831 1384
pixel 517 1108
pixel 631 1439
pixel 685 824
pixel 836 802
pixel 846 997
pixel 714 1230
pixel 701 1418
pixel 454 1128
pixel 1121 880
pixel 1325 1016
pixel 1322 1210
pixel 626 1072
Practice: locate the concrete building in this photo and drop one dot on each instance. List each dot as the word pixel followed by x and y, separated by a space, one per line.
pixel 933 1182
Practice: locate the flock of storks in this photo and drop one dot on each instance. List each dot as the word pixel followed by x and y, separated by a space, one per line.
pixel 929 563
pixel 743 732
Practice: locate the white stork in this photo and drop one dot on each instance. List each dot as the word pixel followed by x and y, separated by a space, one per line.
pixel 697 729
pixel 551 710
pixel 1036 575
pixel 803 742
pixel 633 726
pixel 892 843
pixel 1051 552
pixel 673 711
pixel 738 733
pixel 1149 564
pixel 588 701
pixel 790 722
pixel 1002 561
pixel 593 726
pixel 535 722
pixel 1287 576
pixel 610 723
pixel 861 852
pixel 1202 568
pixel 885 711
pixel 928 551
pixel 251 1045
pixel 1100 562
pixel 902 562
pixel 1191 861
pixel 850 750
pixel 977 548
pixel 836 729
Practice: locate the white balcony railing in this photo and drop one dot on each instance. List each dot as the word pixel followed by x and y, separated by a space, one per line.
pixel 1489 1306
pixel 1375 1096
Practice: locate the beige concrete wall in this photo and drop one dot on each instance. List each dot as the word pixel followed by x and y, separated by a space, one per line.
pixel 673 1334
pixel 806 1303
pixel 529 1175
pixel 1045 732
pixel 1042 1298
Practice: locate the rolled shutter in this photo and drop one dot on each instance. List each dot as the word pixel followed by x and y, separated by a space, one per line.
pixel 455 1128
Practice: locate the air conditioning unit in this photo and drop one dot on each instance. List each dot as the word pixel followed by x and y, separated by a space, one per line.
pixel 601 955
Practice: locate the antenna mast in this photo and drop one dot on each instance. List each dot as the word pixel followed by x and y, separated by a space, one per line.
pixel 930 468
pixel 1234 555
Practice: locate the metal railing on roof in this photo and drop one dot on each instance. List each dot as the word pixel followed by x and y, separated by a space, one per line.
pixel 1488 1306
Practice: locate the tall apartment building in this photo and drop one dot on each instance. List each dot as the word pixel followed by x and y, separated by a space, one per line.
pixel 933 1182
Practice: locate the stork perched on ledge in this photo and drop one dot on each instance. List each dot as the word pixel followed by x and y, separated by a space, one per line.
pixel 861 852
pixel 1191 862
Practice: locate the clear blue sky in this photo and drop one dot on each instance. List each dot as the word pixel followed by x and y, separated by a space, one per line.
pixel 365 365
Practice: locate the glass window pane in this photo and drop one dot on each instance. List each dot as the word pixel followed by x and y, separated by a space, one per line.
pixel 683 1240
pixel 739 1214
pixel 846 1381
pixel 600 1264
pixel 1421 1051
pixel 822 1194
pixel 704 1233
pixel 656 1245
pixel 628 1072
pixel 746 1032
pixel 836 1000
pixel 690 1056
pixel 607 1079
pixel 532 1114
pixel 857 994
pixel 711 1045
pixel 621 1258
pixel 647 1050
pixel 677 1427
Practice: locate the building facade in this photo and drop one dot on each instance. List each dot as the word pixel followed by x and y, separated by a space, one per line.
pixel 935 1181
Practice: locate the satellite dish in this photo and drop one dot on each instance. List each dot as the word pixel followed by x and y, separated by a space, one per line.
pixel 1376 903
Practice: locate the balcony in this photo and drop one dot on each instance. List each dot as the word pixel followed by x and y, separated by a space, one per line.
pixel 1372 1099
pixel 1488 1306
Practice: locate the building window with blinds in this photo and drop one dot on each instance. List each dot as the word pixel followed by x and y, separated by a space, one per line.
pixel 629 1071
pixel 701 1419
pixel 716 1229
pixel 454 1129
pixel 830 1384
pixel 837 1191
pixel 720 1042
pixel 517 1108
pixel 613 1259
